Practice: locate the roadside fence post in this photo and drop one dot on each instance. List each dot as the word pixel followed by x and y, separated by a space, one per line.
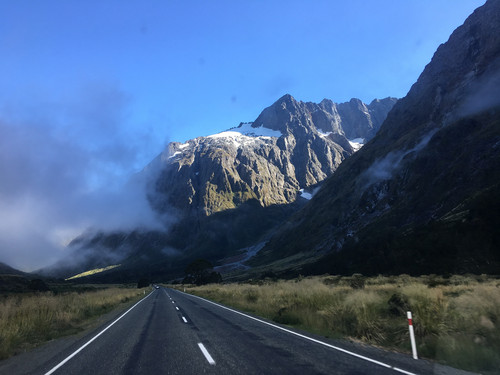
pixel 412 335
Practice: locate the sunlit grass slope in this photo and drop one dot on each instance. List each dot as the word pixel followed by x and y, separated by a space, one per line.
pixel 93 272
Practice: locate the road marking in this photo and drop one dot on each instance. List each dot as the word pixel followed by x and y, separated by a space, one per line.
pixel 308 338
pixel 92 339
pixel 206 354
pixel 173 301
pixel 176 308
pixel 185 321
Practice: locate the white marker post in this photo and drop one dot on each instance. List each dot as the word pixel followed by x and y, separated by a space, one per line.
pixel 412 336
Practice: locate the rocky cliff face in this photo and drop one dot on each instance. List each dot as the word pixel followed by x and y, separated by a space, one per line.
pixel 423 195
pixel 291 146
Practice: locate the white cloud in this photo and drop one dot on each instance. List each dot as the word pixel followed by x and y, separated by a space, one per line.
pixel 65 166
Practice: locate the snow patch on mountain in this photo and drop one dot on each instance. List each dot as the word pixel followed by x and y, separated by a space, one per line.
pixel 175 154
pixel 246 129
pixel 305 194
pixel 245 134
pixel 323 134
pixel 308 194
pixel 356 143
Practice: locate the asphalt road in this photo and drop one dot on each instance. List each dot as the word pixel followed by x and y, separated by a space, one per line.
pixel 169 332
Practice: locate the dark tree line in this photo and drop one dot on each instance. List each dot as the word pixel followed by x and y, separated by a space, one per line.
pixel 201 272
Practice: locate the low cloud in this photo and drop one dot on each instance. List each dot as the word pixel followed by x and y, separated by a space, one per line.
pixel 383 169
pixel 66 166
pixel 482 94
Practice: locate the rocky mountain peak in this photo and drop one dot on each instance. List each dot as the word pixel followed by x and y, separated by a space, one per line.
pixel 283 115
pixel 291 146
pixel 353 119
pixel 287 98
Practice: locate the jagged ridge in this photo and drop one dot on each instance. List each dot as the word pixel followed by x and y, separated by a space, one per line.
pixel 292 145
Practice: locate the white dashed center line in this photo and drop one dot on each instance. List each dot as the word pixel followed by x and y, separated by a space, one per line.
pixel 206 354
pixel 184 319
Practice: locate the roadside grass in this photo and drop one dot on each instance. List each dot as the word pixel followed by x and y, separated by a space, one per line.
pixel 456 319
pixel 27 320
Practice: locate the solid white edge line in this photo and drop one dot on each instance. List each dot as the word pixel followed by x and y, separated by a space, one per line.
pixel 92 339
pixel 403 371
pixel 206 354
pixel 184 319
pixel 308 338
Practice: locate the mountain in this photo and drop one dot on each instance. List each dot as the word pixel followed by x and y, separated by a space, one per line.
pixel 423 196
pixel 228 191
pixel 291 146
pixel 8 270
pixel 14 281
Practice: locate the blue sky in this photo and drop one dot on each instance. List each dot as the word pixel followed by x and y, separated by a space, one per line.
pixel 192 68
pixel 91 91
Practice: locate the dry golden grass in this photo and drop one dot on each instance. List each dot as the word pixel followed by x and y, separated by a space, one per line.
pixel 456 320
pixel 28 320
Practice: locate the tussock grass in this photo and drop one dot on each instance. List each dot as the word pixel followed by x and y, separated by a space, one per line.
pixel 28 320
pixel 456 319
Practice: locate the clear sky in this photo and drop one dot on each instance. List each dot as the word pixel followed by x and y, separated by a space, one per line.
pixel 92 90
pixel 190 68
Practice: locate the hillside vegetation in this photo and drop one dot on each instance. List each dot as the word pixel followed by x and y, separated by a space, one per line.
pixel 456 319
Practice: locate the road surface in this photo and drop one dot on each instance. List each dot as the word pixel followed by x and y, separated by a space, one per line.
pixel 170 332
